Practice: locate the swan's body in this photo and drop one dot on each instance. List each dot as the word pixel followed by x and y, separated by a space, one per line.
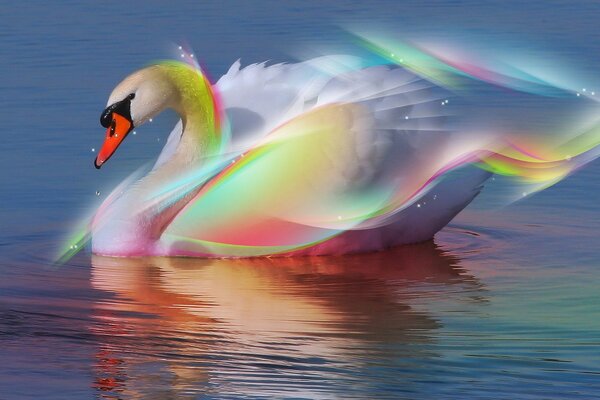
pixel 316 163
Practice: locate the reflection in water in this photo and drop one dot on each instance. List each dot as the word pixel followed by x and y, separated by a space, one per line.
pixel 177 327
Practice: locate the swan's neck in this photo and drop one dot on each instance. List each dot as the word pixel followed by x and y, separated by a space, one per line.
pixel 138 222
pixel 197 107
pixel 200 139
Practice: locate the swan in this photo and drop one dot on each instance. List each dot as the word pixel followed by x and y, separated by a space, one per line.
pixel 321 157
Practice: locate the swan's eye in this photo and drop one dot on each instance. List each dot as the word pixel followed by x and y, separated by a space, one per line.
pixel 122 108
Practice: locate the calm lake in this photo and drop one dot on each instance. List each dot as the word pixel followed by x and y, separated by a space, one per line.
pixel 503 304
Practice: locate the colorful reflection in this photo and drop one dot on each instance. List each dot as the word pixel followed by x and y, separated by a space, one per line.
pixel 182 327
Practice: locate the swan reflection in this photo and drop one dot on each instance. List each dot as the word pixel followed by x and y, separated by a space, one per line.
pixel 177 327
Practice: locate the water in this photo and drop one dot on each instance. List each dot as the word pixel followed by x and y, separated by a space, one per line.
pixel 503 304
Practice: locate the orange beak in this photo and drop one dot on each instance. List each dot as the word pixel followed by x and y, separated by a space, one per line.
pixel 115 134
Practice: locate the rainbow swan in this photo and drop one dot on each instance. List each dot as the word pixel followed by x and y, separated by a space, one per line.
pixel 314 158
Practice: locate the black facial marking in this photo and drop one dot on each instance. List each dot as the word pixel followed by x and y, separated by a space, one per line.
pixel 122 107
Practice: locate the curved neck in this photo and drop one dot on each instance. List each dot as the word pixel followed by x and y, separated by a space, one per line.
pixel 194 101
pixel 142 213
pixel 196 105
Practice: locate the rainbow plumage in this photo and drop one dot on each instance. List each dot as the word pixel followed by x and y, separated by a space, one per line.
pixel 326 165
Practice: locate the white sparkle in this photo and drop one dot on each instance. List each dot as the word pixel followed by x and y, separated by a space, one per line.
pixel 593 93
pixel 583 90
pixel 97 193
pixel 435 196
pixel 93 149
pixel 339 217
pixel 578 95
pixel 418 205
pixel 191 55
pixel 150 120
pixel 401 60
pixel 75 246
pixel 134 132
pixel 180 47
pixel 524 194
pixel 406 117
pixel 183 55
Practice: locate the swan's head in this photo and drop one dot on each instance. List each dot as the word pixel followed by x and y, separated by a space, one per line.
pixel 134 101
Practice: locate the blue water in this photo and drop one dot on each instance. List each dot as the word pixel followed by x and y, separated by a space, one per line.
pixel 503 304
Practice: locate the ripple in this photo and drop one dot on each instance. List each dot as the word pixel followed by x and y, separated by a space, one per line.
pixel 411 322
